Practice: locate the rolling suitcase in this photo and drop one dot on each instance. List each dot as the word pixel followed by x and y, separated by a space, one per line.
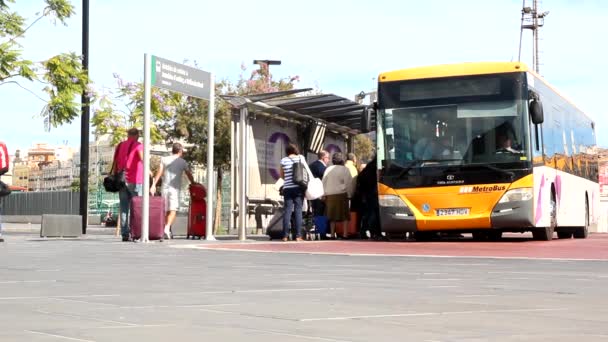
pixel 274 230
pixel 321 224
pixel 197 219
pixel 156 218
pixel 197 212
pixel 351 229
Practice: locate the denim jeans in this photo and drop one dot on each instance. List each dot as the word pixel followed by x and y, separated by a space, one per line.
pixel 293 203
pixel 125 195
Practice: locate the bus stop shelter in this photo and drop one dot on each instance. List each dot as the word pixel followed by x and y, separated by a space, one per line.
pixel 312 119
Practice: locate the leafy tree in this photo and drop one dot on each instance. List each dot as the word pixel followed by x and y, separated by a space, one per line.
pixel 117 111
pixel 75 185
pixel 364 147
pixel 62 76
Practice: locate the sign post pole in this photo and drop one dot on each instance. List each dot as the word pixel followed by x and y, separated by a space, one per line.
pixel 189 81
pixel 145 212
pixel 210 150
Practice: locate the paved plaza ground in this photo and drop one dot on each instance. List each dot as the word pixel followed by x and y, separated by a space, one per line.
pixel 99 289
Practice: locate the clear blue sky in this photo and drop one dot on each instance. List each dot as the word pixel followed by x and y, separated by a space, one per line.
pixel 336 46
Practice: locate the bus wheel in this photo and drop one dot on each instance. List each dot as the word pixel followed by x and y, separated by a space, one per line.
pixel 495 235
pixel 479 236
pixel 396 237
pixel 424 236
pixel 564 235
pixel 546 233
pixel 583 232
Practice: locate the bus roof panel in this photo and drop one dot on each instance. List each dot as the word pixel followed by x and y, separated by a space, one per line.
pixel 450 70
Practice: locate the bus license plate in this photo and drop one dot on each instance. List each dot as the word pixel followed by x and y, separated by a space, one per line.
pixel 453 212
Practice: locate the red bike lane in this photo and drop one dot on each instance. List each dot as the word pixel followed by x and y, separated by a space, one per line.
pixel 593 248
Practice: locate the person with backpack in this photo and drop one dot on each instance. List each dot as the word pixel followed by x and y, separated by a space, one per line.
pixel 293 193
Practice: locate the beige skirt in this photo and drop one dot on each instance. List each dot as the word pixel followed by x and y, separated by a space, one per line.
pixel 336 207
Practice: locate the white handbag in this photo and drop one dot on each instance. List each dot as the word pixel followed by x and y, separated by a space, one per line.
pixel 315 185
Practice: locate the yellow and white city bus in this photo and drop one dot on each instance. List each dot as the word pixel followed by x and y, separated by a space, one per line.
pixel 484 148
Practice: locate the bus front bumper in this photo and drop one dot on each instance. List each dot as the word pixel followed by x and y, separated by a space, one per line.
pixel 511 215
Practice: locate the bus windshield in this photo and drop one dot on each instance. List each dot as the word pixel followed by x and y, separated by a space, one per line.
pixel 454 121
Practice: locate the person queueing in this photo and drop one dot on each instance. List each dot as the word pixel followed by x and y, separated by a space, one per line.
pixel 370 208
pixel 317 168
pixel 293 195
pixel 338 186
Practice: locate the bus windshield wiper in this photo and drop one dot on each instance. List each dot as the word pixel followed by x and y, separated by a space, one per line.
pixel 421 162
pixel 408 167
pixel 490 167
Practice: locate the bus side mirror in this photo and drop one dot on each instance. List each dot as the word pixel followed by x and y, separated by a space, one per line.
pixel 536 112
pixel 366 118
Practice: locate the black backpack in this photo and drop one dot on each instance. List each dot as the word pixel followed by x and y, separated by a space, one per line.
pixel 299 174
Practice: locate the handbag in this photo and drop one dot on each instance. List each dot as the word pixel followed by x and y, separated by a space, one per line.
pixel 314 189
pixel 117 181
pixel 300 176
pixel 4 189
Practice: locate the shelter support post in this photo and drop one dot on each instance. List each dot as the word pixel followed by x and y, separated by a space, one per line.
pixel 233 168
pixel 242 198
pixel 350 144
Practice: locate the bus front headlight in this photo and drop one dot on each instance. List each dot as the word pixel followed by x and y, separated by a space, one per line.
pixel 395 205
pixel 391 201
pixel 521 194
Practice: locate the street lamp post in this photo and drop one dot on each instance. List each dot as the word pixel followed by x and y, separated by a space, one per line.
pixel 84 122
pixel 266 63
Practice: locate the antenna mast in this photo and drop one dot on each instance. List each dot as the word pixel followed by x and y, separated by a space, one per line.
pixel 532 19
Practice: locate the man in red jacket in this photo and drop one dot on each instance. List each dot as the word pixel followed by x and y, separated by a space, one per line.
pixel 4 163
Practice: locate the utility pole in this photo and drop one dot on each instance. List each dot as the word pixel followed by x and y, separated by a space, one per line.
pixel 265 65
pixel 84 122
pixel 532 19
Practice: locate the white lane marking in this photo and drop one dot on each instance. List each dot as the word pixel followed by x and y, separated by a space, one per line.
pixel 137 326
pixel 83 301
pixel 439 279
pixel 414 314
pixel 27 281
pixel 436 273
pixel 338 265
pixel 54 297
pixel 257 291
pixel 176 306
pixel 57 336
pixel 384 255
pixel 315 338
pixel 442 286
pixel 464 264
pixel 476 295
pixel 86 318
pixel 304 281
pixel 516 278
pixel 561 274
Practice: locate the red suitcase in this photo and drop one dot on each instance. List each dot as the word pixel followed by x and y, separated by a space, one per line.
pixel 197 219
pixel 156 218
pixel 351 229
pixel 197 212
